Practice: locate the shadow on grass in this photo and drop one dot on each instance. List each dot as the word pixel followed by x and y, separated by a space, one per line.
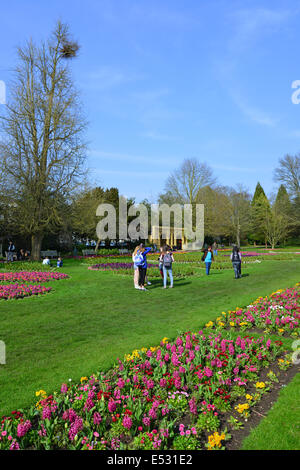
pixel 156 284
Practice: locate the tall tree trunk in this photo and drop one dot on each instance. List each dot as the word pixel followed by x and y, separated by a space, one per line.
pixel 238 239
pixel 36 245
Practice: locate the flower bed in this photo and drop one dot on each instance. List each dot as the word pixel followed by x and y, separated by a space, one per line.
pixel 115 266
pixel 31 276
pixel 279 313
pixel 174 396
pixel 180 271
pixel 16 291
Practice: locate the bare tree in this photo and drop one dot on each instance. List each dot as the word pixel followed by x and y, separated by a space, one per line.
pixel 43 149
pixel 185 182
pixel 239 210
pixel 288 173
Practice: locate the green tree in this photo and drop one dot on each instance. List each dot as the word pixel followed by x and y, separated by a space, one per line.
pixel 259 211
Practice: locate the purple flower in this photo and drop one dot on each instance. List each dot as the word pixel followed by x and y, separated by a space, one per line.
pixel 23 428
pixel 97 418
pixel 127 422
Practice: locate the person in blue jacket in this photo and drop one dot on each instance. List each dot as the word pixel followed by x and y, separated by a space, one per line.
pixel 208 257
pixel 143 265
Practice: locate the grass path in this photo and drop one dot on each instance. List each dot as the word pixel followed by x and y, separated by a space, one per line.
pixel 94 317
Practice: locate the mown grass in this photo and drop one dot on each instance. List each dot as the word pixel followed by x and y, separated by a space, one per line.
pixel 91 319
pixel 280 430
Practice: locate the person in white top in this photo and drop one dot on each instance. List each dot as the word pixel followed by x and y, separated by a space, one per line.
pixel 46 261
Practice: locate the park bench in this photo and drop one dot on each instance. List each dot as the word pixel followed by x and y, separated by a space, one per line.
pixel 49 253
pixel 14 253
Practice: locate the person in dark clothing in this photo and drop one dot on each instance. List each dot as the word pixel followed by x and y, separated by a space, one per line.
pixel 10 251
pixel 236 259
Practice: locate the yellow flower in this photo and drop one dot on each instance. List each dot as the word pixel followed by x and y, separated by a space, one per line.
pixel 209 324
pixel 232 323
pixel 83 379
pixel 40 392
pixel 165 340
pixel 214 440
pixel 260 385
pixel 242 408
pixel 249 397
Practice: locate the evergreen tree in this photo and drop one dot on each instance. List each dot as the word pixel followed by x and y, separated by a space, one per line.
pixel 259 212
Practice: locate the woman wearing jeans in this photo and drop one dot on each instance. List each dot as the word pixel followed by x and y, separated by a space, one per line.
pixel 167 259
pixel 208 257
pixel 236 259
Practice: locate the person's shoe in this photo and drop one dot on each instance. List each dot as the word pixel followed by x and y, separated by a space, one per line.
pixel 137 287
pixel 170 287
pixel 149 283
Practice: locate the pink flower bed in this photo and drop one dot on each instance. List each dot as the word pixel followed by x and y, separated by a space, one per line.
pixel 15 291
pixel 146 401
pixel 279 312
pixel 31 276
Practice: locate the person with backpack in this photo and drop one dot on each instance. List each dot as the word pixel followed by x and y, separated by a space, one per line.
pixel 236 259
pixel 140 260
pixel 208 257
pixel 167 259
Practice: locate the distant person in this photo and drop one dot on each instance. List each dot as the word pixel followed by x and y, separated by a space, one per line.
pixel 215 248
pixel 143 251
pixel 46 261
pixel 208 258
pixel 136 259
pixel 10 251
pixel 236 259
pixel 167 261
pixel 21 256
pixel 160 264
pixel 59 263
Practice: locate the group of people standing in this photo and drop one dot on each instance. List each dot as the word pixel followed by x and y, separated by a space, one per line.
pixel 22 255
pixel 235 257
pixel 139 258
pixel 166 260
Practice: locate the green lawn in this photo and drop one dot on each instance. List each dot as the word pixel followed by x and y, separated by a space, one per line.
pixel 94 317
pixel 280 430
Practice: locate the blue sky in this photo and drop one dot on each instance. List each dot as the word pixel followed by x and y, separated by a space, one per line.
pixel 162 81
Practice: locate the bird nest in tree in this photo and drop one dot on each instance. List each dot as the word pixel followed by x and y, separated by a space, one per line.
pixel 69 49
